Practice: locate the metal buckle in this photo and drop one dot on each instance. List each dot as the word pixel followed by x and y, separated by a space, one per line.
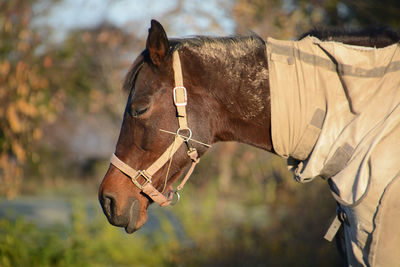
pixel 145 176
pixel 185 97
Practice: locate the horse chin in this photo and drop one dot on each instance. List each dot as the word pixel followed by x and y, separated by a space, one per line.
pixel 134 212
pixel 130 228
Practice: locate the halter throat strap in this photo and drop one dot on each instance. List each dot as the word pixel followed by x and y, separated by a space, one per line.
pixel 180 102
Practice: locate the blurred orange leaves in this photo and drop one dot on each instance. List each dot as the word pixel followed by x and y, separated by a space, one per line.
pixel 25 93
pixel 40 79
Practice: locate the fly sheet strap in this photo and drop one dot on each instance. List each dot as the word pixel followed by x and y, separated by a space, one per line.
pixel 180 102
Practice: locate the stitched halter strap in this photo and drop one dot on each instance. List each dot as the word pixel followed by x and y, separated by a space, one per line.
pixel 180 102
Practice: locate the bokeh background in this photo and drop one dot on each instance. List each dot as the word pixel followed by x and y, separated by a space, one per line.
pixel 61 67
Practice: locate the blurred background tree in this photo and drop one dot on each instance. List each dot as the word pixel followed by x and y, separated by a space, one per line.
pixel 27 96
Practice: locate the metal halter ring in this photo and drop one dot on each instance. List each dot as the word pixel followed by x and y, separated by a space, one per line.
pixel 185 138
pixel 175 199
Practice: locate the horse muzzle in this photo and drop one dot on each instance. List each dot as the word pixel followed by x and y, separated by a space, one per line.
pixel 128 217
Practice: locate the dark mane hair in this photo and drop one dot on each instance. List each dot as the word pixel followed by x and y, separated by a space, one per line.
pixel 234 45
pixel 238 41
pixel 371 36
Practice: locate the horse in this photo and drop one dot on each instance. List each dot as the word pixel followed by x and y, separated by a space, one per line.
pixel 186 94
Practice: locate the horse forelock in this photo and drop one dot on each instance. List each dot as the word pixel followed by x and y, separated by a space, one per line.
pixel 130 77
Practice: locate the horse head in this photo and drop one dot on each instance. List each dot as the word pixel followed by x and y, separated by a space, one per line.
pixel 151 131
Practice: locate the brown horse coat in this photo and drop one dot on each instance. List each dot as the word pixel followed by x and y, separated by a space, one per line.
pixel 336 114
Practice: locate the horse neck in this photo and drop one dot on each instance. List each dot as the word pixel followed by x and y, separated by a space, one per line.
pixel 239 88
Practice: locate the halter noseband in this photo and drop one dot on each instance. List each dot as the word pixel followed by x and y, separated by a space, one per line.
pixel 180 102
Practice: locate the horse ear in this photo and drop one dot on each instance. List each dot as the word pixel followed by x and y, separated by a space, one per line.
pixel 157 43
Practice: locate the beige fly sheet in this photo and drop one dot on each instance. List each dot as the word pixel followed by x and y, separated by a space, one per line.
pixel 336 115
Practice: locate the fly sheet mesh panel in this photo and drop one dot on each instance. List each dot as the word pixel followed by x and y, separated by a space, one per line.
pixel 336 115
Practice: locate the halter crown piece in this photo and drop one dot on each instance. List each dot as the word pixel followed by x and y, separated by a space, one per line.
pixel 180 102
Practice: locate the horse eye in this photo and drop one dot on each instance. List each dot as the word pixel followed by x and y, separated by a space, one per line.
pixel 139 111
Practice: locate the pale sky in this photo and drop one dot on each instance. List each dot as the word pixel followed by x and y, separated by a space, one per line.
pixel 196 16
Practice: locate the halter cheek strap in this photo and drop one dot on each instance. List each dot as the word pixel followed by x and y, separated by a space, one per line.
pixel 180 102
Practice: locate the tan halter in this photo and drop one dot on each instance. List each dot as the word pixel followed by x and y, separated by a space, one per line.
pixel 180 102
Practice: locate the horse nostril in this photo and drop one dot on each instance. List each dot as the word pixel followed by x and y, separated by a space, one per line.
pixel 126 215
pixel 108 204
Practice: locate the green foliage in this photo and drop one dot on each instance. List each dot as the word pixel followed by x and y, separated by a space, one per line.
pixel 204 229
pixel 86 242
pixel 261 218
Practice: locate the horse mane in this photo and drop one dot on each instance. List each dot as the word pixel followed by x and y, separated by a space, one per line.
pixel 236 45
pixel 237 41
pixel 371 36
pixel 220 48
